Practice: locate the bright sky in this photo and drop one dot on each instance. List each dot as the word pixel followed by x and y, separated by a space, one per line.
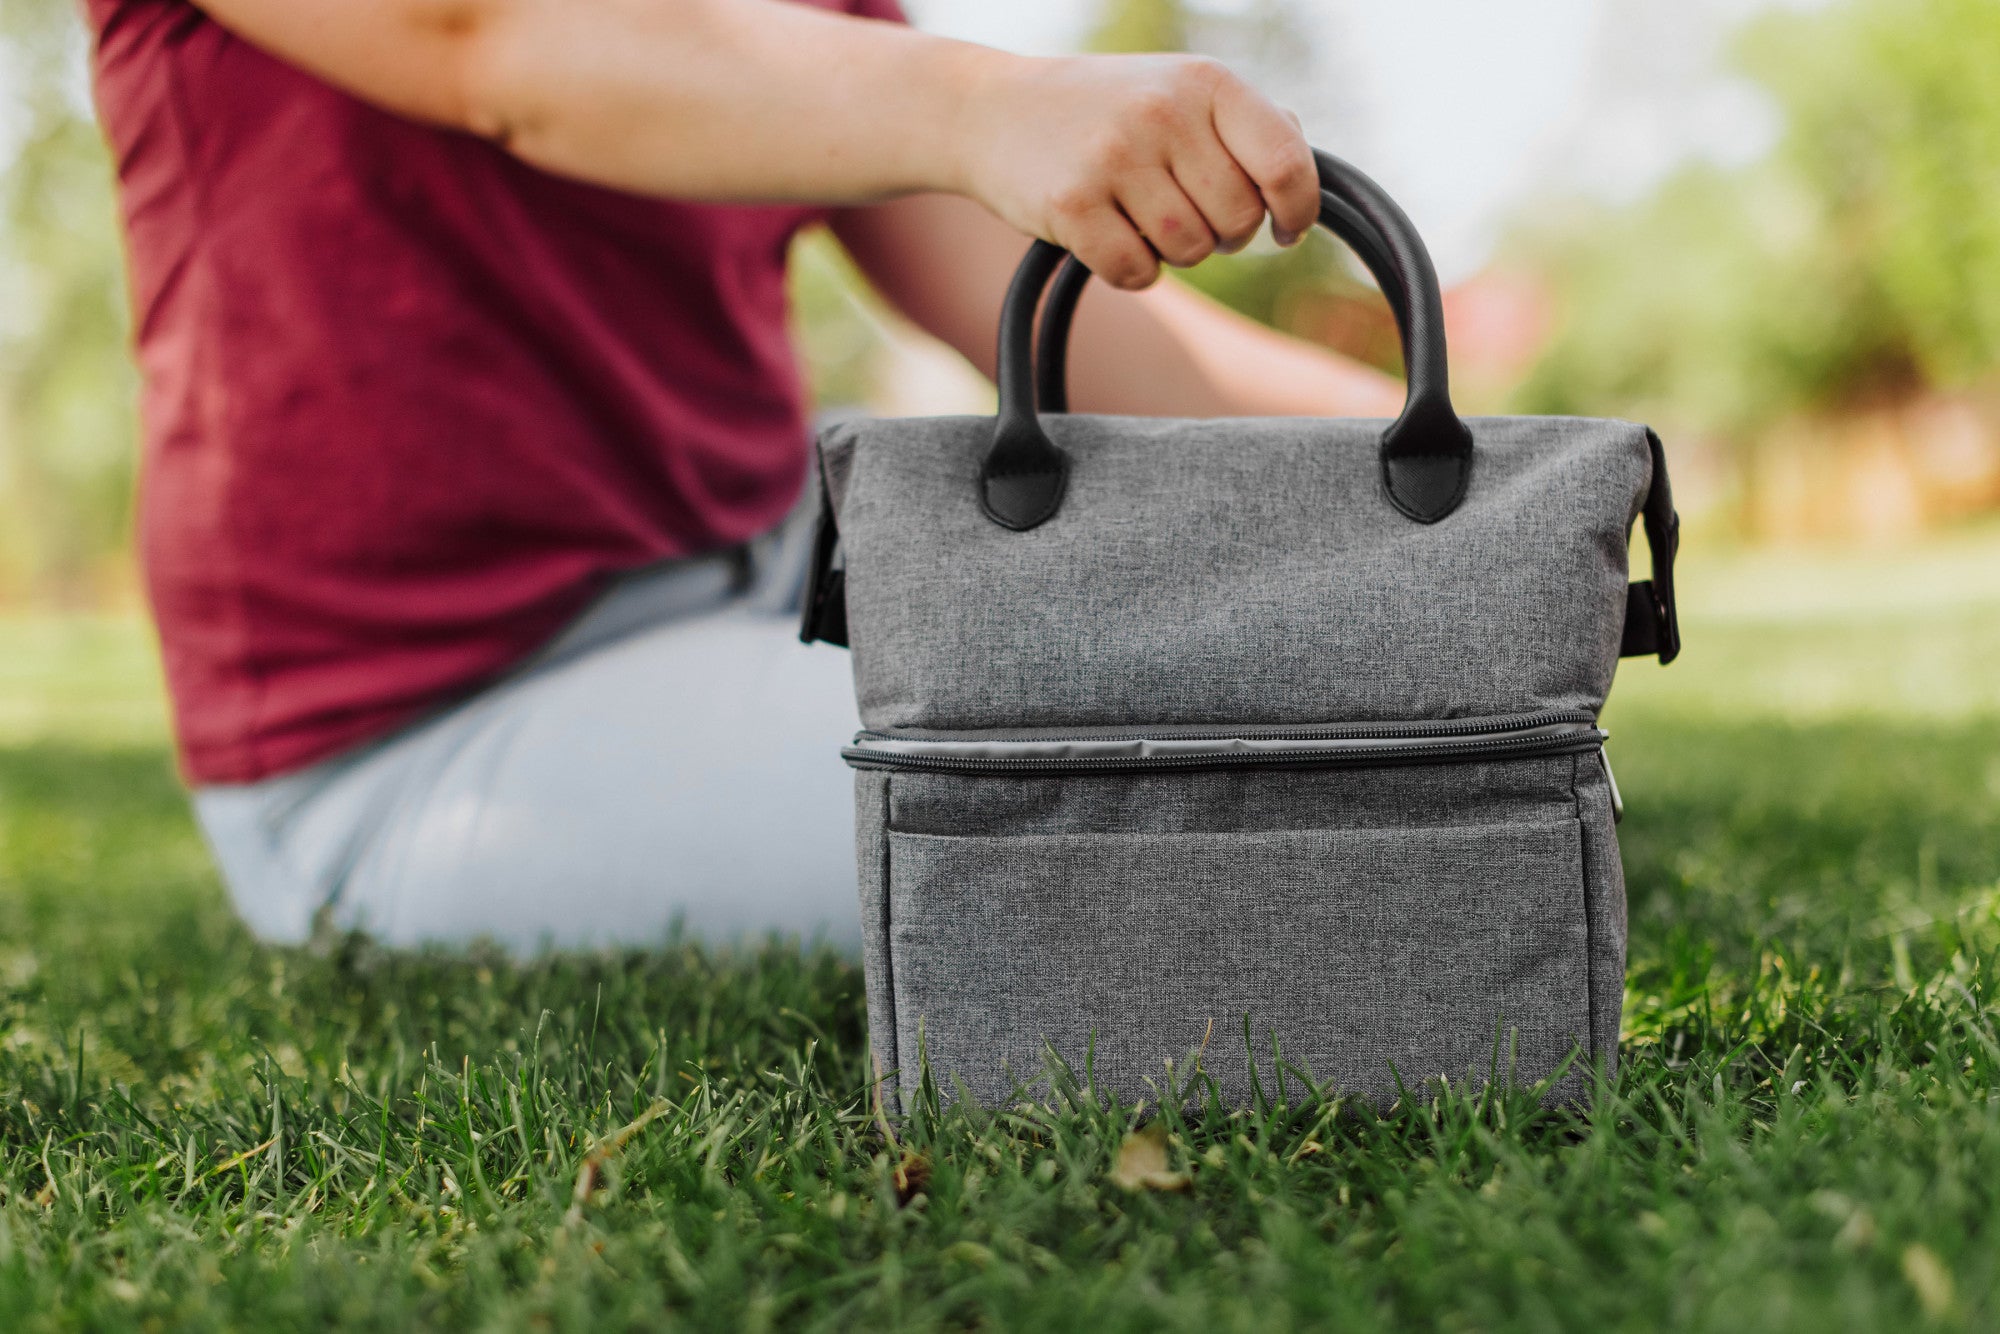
pixel 1602 96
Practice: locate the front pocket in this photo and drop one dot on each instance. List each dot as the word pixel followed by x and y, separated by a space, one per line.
pixel 1370 955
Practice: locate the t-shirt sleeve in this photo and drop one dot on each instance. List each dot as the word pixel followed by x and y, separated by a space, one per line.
pixel 888 10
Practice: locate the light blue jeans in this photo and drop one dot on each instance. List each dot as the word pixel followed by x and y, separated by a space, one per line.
pixel 673 757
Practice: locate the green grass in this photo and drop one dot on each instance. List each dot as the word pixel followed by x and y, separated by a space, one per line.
pixel 197 1132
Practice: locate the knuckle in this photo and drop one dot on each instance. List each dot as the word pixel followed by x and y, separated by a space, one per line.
pixel 1073 202
pixel 1201 74
pixel 1130 271
pixel 1188 250
pixel 1291 170
pixel 1241 223
pixel 1157 108
pixel 1109 149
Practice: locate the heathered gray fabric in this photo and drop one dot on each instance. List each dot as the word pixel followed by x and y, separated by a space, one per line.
pixel 1238 574
pixel 871 858
pixel 1232 572
pixel 1604 889
pixel 1537 791
pixel 1414 797
pixel 1361 950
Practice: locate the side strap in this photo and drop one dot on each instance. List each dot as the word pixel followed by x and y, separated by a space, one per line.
pixel 824 614
pixel 1652 618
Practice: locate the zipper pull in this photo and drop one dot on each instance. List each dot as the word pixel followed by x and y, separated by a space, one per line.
pixel 1617 801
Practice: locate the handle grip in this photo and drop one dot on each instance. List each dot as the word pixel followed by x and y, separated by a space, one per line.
pixel 1059 307
pixel 1426 453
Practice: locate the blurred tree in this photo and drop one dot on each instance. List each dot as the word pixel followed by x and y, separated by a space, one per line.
pixel 1895 133
pixel 66 383
pixel 1858 265
pixel 1141 25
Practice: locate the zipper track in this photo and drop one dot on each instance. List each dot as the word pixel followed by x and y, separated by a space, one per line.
pixel 1450 743
pixel 1442 727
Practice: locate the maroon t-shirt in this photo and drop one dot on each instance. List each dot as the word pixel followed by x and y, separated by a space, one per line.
pixel 408 401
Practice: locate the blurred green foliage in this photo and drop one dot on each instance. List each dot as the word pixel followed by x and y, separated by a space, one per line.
pixel 1859 263
pixel 838 322
pixel 1141 25
pixel 66 381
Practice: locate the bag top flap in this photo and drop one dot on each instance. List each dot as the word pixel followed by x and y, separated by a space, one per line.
pixel 1231 572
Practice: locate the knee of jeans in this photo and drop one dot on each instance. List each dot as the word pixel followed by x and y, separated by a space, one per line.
pixel 272 899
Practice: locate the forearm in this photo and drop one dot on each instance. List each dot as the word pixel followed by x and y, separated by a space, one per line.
pixel 744 100
pixel 1121 159
pixel 740 100
pixel 1173 352
pixel 1168 351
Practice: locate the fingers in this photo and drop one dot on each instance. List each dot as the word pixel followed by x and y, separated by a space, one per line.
pixel 1267 145
pixel 1166 217
pixel 1098 233
pixel 1223 193
pixel 1129 160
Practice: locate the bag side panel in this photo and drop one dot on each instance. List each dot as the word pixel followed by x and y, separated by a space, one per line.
pixel 1604 899
pixel 871 850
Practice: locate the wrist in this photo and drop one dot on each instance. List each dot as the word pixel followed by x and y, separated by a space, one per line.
pixel 975 89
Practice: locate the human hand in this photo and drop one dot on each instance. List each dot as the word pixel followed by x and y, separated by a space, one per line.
pixel 1130 160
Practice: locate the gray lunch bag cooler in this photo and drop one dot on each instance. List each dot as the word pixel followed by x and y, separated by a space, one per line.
pixel 1182 733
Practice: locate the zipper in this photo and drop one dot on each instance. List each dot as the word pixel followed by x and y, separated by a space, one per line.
pixel 1109 750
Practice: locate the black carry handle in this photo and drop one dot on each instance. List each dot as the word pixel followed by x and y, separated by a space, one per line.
pixel 1426 453
pixel 1652 617
pixel 1059 308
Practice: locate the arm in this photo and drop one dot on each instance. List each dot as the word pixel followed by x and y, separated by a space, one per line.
pixel 1123 159
pixel 1169 351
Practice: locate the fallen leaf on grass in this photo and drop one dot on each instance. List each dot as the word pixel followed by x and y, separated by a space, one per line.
pixel 241 1158
pixel 913 1174
pixel 913 1170
pixel 1142 1162
pixel 603 1152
